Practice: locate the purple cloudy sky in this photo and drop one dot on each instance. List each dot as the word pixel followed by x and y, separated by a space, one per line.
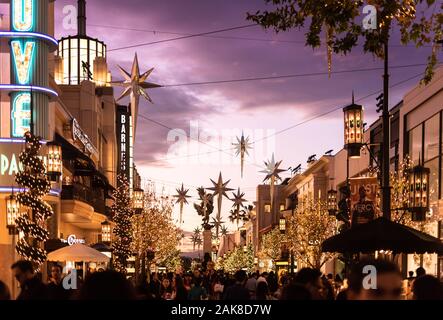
pixel 265 106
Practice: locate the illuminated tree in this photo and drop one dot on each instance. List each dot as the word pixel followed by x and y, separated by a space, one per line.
pixel 271 244
pixel 305 232
pixel 122 213
pixel 154 230
pixel 238 259
pixel 340 22
pixel 32 223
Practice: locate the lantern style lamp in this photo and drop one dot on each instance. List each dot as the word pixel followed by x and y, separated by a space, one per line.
pixel 106 232
pixel 54 164
pixel 138 199
pixel 353 125
pixel 12 213
pixel 419 192
pixel 282 225
pixel 332 202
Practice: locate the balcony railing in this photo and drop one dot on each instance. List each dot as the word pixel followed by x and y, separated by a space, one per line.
pixel 85 194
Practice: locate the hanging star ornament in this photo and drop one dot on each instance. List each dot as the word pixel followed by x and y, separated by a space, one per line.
pixel 272 175
pixel 181 199
pixel 219 189
pixel 135 85
pixel 241 148
pixel 238 203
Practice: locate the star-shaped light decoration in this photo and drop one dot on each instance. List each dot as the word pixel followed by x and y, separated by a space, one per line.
pixel 238 203
pixel 135 85
pixel 219 189
pixel 241 148
pixel 272 175
pixel 224 230
pixel 218 224
pixel 181 199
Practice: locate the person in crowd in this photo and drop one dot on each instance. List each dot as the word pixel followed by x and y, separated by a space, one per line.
pixel 420 271
pixel 262 292
pixel 4 292
pixel 197 292
pixel 188 281
pixel 251 285
pixel 218 288
pixel 32 288
pixel 427 287
pixel 142 290
pixel 328 292
pixel 262 277
pixel 179 291
pixel 238 291
pixel 107 285
pixel 272 282
pixel 55 284
pixel 166 289
pixel 387 286
pixel 154 286
pixel 294 291
pixel 311 280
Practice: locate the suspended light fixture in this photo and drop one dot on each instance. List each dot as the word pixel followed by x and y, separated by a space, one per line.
pixel 419 192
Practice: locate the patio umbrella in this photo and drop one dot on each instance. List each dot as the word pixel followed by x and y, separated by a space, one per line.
pixel 77 253
pixel 383 234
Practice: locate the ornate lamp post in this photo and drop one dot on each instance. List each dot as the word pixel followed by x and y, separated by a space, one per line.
pixel 353 124
pixel 282 225
pixel 332 202
pixel 106 232
pixel 419 192
pixel 138 200
pixel 55 164
pixel 12 213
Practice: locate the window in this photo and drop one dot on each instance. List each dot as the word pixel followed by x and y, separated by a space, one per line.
pixel 267 208
pixel 433 180
pixel 432 136
pixel 415 143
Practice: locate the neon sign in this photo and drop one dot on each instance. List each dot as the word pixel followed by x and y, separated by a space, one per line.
pixel 23 15
pixel 22 59
pixel 22 52
pixel 21 114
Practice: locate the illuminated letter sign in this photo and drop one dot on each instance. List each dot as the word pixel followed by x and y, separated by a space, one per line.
pixel 22 15
pixel 22 60
pixel 123 143
pixel 21 114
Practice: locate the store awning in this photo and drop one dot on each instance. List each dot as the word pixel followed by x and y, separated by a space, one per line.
pixel 81 164
pixel 383 234
pixel 77 253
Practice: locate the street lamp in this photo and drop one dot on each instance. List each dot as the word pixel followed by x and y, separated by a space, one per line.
pixel 106 232
pixel 282 225
pixel 332 202
pixel 54 156
pixel 138 199
pixel 353 124
pixel 12 213
pixel 419 192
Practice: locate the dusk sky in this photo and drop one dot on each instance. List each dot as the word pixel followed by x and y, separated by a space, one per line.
pixel 260 108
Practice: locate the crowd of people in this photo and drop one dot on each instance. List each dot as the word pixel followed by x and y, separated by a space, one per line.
pixel 211 284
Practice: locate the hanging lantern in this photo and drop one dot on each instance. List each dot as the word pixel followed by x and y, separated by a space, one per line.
pixel 106 231
pixel 353 121
pixel 54 156
pixel 138 199
pixel 282 225
pixel 12 212
pixel 419 192
pixel 332 202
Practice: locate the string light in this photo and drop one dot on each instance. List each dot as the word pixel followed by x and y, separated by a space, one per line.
pixel 32 223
